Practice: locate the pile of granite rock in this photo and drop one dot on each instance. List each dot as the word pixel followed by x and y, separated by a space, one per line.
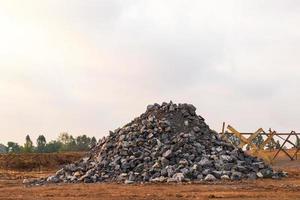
pixel 167 143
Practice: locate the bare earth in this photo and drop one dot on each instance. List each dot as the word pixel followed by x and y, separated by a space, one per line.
pixel 288 188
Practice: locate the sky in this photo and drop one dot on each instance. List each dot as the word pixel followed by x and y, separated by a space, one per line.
pixel 87 67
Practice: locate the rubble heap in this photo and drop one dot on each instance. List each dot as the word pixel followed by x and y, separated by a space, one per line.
pixel 168 143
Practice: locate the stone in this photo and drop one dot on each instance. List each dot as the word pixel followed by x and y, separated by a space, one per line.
pixel 206 171
pixel 186 122
pixel 225 177
pixel 267 173
pixel 259 175
pixel 210 177
pixel 52 179
pixel 167 154
pixel 204 162
pixel 200 177
pixel 171 180
pixel 158 179
pixel 196 129
pixel 183 162
pixel 236 176
pixel 226 158
pixel 170 171
pixel 167 143
pixel 259 165
pixel 241 168
pixel 178 177
pixel 217 174
pixel 77 174
pixel 26 181
pixel 252 176
pixel 128 182
pixel 59 172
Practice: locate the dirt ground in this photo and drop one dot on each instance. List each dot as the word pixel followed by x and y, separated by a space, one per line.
pixel 288 188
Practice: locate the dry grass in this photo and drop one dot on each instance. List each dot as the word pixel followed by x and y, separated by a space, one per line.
pixel 37 161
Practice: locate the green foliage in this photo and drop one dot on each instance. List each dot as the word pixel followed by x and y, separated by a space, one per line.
pixel 258 140
pixel 277 146
pixel 83 143
pixel 3 148
pixel 13 147
pixel 271 145
pixel 64 143
pixel 68 142
pixel 93 142
pixel 53 146
pixel 28 146
pixel 41 144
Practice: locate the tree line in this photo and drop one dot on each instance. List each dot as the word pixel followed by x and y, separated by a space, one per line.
pixel 64 143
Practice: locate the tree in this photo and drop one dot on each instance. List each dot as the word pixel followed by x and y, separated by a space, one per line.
pixel 68 142
pixel 13 147
pixel 53 146
pixel 271 145
pixel 277 146
pixel 83 143
pixel 93 142
pixel 3 148
pixel 258 140
pixel 28 146
pixel 41 144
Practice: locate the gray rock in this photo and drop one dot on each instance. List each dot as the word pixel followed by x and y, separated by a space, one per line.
pixel 183 162
pixel 171 180
pixel 53 179
pixel 225 177
pixel 236 176
pixel 196 129
pixel 200 177
pixel 226 158
pixel 217 174
pixel 252 176
pixel 267 173
pixel 259 165
pixel 206 171
pixel 259 175
pixel 168 153
pixel 158 179
pixel 169 142
pixel 77 174
pixel 128 182
pixel 210 177
pixel 26 181
pixel 178 177
pixel 204 162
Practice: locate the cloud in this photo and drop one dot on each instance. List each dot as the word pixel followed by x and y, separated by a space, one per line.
pixel 94 65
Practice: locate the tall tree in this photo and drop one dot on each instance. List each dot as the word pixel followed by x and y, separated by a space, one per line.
pixel 83 143
pixel 68 142
pixel 41 144
pixel 28 146
pixel 93 142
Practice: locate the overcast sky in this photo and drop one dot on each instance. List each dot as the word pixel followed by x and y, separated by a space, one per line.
pixel 87 67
